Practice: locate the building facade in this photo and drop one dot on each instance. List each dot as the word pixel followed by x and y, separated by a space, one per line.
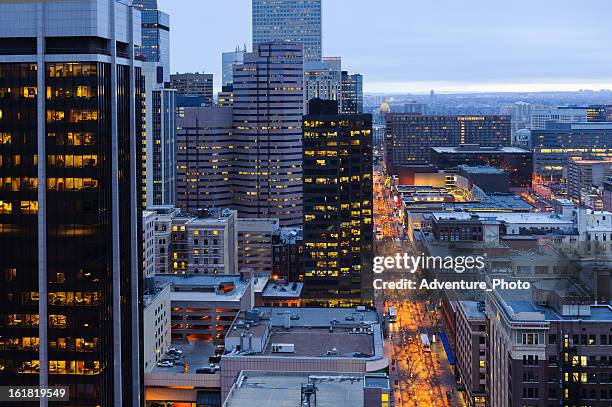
pixel 410 137
pixel 159 159
pixel 268 106
pixel 540 118
pixel 198 86
pixel 155 37
pixel 204 158
pixel 351 101
pixel 554 146
pixel 289 20
pixel 515 161
pixel 189 244
pixel 323 80
pixel 70 130
pixel 228 60
pixel 586 175
pixel 338 194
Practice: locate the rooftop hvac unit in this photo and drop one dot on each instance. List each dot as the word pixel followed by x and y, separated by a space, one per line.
pixel 283 348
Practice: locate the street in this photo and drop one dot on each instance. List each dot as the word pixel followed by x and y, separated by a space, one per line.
pixel 420 374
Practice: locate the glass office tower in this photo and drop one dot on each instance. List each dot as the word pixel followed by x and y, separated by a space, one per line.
pixel 338 231
pixel 69 265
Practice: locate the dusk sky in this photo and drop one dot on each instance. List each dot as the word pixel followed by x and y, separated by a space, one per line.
pixel 415 46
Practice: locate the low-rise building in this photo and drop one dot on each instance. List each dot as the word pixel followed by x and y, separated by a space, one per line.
pixel 156 317
pixel 255 244
pixel 303 340
pixel 204 307
pixel 190 244
pixel 266 389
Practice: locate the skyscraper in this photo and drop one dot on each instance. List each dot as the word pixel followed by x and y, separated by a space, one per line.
pixel 338 226
pixel 204 158
pixel 70 280
pixel 352 93
pixel 155 36
pixel 160 139
pixel 228 60
pixel 323 80
pixel 289 20
pixel 268 103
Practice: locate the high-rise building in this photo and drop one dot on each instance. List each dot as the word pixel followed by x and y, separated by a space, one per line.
pixel 159 158
pixel 155 37
pixel 586 175
pixel 226 96
pixel 70 228
pixel 352 93
pixel 228 60
pixel 410 136
pixel 562 114
pixel 554 146
pixel 268 103
pixel 338 231
pixel 289 20
pixel 193 85
pixel 204 158
pixel 415 107
pixel 323 80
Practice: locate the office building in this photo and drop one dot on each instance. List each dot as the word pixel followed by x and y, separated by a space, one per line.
pixel 228 60
pixel 189 244
pixel 226 96
pixel 190 86
pixel 517 162
pixel 297 21
pixel 540 118
pixel 155 38
pixel 159 158
pixel 338 226
pixel 323 80
pixel 70 231
pixel 547 343
pixel 554 146
pixel 204 158
pixel 352 93
pixel 488 179
pixel 268 106
pixel 586 175
pixel 410 137
pixel 256 239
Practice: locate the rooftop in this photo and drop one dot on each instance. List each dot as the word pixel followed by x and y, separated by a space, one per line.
pixel 508 217
pixel 319 317
pixel 321 342
pixel 281 289
pixel 481 169
pixel 204 287
pixel 479 150
pixel 471 310
pixel 267 389
pixel 195 356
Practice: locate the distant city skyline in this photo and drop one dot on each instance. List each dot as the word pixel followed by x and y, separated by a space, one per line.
pixel 447 46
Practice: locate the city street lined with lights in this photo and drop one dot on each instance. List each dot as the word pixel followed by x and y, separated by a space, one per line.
pixel 420 371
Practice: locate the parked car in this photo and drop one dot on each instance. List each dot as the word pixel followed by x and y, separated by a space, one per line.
pixel 175 350
pixel 165 363
pixel 212 369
